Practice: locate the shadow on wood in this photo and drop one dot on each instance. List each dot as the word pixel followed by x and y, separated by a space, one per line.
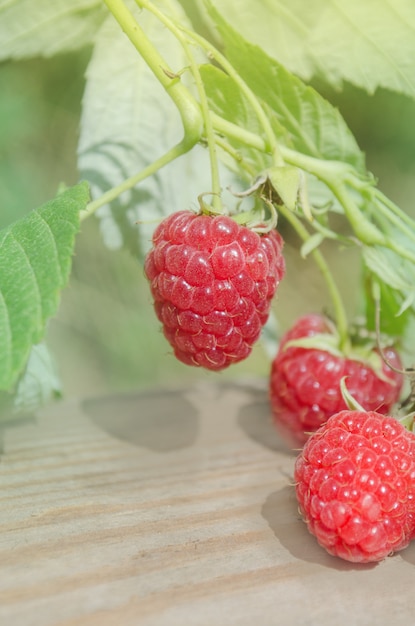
pixel 161 421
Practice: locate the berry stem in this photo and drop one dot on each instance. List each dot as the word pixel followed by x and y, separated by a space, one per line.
pixel 339 310
pixel 242 135
pixel 128 183
pixel 366 231
pixel 335 175
pixel 204 105
pixel 188 107
pixel 236 156
pixel 338 176
pixel 383 201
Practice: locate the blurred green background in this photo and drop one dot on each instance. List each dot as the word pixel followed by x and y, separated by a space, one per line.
pixel 105 337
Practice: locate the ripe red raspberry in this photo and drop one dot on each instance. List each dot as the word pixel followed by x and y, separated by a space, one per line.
pixel 355 484
pixel 212 282
pixel 305 381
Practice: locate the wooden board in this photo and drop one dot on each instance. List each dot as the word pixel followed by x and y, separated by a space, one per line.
pixel 172 508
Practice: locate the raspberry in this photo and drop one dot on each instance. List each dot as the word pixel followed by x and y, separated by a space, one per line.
pixel 305 382
pixel 355 484
pixel 212 281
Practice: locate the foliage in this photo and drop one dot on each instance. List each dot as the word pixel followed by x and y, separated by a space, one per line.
pixel 330 40
pixel 38 385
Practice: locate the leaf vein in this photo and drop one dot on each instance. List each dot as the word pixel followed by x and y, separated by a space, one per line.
pixel 9 335
pixel 50 231
pixel 405 22
pixel 31 269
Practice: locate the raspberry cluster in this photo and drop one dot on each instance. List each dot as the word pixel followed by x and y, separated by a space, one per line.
pixel 355 475
pixel 212 281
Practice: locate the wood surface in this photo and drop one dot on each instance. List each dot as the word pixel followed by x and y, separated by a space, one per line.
pixel 168 508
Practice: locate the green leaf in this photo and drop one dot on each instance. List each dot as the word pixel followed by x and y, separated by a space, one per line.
pixel 128 121
pixel 393 320
pixel 314 126
pixel 37 386
pixel 44 27
pixel 370 44
pixel 406 305
pixel 35 260
pixel 311 244
pixel 227 101
pixel 395 279
pixel 391 270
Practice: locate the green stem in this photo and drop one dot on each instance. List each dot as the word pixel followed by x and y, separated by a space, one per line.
pixel 393 208
pixel 320 168
pixel 394 214
pixel 400 251
pixel 128 183
pixel 233 131
pixel 204 105
pixel 336 175
pixel 365 230
pixel 339 310
pixel 236 156
pixel 188 107
pixel 213 158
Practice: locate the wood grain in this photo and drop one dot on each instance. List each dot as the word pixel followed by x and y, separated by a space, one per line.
pixel 170 508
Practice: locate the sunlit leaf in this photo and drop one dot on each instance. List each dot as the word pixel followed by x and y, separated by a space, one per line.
pixel 44 27
pixel 35 260
pixel 370 44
